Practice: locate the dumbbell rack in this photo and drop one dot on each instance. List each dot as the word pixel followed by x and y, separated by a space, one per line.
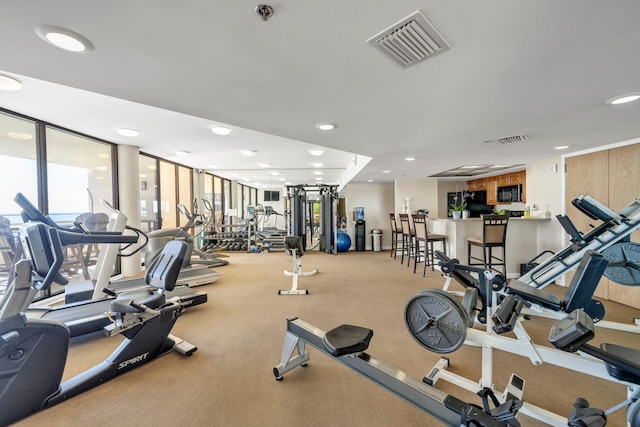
pixel 228 240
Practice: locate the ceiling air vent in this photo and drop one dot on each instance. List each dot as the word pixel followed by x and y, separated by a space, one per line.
pixel 410 41
pixel 512 139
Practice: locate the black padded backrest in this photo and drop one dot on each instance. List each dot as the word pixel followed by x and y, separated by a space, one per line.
pixel 293 245
pixel 164 269
pixel 584 282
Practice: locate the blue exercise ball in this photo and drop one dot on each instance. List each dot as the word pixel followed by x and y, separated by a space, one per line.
pixel 343 242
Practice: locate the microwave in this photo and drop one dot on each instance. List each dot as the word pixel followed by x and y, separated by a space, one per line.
pixel 510 193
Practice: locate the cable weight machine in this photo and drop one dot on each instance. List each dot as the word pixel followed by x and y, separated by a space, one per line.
pixel 301 216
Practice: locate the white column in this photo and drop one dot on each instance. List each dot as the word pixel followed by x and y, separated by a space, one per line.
pixel 129 198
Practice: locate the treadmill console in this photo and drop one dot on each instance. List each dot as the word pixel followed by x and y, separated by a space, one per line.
pixel 571 332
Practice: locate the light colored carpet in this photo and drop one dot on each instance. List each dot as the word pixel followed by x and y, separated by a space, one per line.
pixel 240 333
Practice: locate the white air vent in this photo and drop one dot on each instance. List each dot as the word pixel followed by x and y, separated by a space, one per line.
pixel 410 40
pixel 512 139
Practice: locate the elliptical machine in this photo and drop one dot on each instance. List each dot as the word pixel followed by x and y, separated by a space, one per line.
pixel 33 352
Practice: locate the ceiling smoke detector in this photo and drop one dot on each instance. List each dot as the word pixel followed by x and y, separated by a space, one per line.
pixel 265 11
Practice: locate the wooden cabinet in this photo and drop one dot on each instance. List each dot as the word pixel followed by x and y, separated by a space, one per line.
pixel 492 183
pixel 512 178
pixel 477 184
pixel 492 190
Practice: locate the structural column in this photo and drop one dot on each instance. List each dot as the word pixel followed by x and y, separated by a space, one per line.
pixel 129 198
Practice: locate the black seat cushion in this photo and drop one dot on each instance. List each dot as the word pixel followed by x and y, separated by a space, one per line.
pixel 533 294
pixel 347 339
pixel 629 355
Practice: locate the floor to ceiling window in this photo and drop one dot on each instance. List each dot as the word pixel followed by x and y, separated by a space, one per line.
pixel 79 175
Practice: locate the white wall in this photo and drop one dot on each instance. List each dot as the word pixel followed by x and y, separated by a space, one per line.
pixel 545 188
pixel 423 194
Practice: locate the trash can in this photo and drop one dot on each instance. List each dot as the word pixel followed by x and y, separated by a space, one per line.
pixel 376 240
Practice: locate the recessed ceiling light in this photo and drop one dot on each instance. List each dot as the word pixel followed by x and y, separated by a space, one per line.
pixel 182 153
pixel 317 165
pixel 561 147
pixel 9 83
pixel 318 178
pixel 282 179
pixel 369 180
pixel 221 130
pixel 275 173
pixel 152 167
pixel 316 152
pixel 325 126
pixel 249 153
pixel 264 165
pixel 387 171
pixel 101 168
pixel 127 132
pixel 23 136
pixel 623 99
pixel 409 159
pixel 64 39
pixel 317 172
pixel 213 166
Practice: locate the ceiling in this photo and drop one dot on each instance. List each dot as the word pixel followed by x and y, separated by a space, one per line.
pixel 171 70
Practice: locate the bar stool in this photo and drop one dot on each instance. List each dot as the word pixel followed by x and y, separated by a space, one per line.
pixel 407 238
pixel 396 235
pixel 427 239
pixel 494 234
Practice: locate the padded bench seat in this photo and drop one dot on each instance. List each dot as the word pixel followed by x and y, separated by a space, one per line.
pixel 347 339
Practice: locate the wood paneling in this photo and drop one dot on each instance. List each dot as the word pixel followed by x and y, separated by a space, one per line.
pixel 624 186
pixel 587 174
pixel 613 178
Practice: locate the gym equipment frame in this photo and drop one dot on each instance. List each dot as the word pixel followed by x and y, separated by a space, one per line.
pixel 346 344
pixel 428 310
pixel 615 227
pixel 33 352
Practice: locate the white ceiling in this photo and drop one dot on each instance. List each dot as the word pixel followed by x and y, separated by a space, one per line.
pixel 173 69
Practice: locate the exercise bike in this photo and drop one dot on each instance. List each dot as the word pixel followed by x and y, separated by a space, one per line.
pixel 33 352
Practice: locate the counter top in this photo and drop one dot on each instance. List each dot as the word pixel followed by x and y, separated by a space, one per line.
pixel 515 218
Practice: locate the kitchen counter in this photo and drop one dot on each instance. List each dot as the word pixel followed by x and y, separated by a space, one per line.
pixel 521 244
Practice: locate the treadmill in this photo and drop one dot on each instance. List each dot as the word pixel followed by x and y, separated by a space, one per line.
pixel 84 305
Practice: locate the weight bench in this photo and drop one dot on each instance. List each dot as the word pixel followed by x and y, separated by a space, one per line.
pixel 294 248
pixel 578 295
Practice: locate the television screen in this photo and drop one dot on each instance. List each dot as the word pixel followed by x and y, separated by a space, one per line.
pixel 271 196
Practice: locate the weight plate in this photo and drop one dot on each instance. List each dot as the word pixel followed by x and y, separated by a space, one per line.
pixel 624 263
pixel 436 320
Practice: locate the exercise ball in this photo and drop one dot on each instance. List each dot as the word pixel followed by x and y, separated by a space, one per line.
pixel 343 242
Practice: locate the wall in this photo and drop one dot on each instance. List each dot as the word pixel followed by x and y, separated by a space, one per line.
pixel 423 194
pixel 378 203
pixel 545 188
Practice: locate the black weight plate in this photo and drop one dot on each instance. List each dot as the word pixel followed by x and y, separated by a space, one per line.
pixel 624 263
pixel 436 320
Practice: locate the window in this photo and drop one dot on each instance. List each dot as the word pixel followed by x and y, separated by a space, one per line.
pixel 18 174
pixel 79 175
pixel 168 196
